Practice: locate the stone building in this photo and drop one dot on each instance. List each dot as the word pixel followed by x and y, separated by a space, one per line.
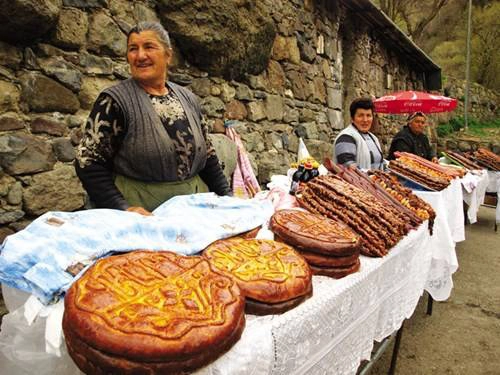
pixel 279 69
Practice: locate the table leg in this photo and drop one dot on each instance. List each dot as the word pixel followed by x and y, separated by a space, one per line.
pixel 395 351
pixel 379 349
pixel 430 300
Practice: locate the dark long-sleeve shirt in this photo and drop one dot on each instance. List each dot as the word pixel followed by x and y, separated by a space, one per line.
pixel 104 132
pixel 406 141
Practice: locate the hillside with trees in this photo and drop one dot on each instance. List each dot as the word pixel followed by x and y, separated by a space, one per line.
pixel 439 27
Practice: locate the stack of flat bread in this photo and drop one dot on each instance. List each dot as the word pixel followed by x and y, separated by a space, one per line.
pixel 151 313
pixel 273 277
pixel 330 247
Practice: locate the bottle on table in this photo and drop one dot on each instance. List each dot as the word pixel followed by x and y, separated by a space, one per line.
pixel 296 179
pixel 315 170
pixel 308 172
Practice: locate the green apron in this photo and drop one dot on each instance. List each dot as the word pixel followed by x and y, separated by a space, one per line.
pixel 151 194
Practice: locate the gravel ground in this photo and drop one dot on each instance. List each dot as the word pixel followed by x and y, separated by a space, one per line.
pixel 463 334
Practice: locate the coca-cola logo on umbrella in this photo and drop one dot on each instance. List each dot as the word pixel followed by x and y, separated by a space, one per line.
pixel 411 101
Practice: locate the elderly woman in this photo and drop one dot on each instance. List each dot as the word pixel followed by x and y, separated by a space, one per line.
pixel 355 146
pixel 145 140
pixel 411 138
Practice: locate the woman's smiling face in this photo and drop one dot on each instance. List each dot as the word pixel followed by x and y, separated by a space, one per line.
pixel 148 57
pixel 363 119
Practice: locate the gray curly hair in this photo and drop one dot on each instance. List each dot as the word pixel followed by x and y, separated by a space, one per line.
pixel 152 26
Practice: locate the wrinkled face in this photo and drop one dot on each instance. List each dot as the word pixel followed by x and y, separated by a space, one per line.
pixel 363 119
pixel 148 57
pixel 417 125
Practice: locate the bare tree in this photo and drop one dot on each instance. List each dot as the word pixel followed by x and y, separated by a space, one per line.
pixel 392 8
pixel 412 16
pixel 486 55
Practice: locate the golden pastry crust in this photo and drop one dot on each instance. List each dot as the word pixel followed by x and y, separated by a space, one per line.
pixel 251 234
pixel 319 260
pixel 314 233
pixel 95 362
pixel 261 308
pixel 336 272
pixel 265 270
pixel 153 307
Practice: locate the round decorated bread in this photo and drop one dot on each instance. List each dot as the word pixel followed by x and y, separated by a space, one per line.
pixel 261 308
pixel 315 259
pixel 314 233
pixel 151 312
pixel 336 272
pixel 265 270
pixel 251 234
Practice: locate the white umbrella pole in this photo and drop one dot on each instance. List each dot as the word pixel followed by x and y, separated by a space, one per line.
pixel 467 67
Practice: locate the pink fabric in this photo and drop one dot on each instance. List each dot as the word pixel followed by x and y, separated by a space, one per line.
pixel 245 184
pixel 280 199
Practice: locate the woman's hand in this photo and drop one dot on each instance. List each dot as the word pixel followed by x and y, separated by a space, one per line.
pixel 139 210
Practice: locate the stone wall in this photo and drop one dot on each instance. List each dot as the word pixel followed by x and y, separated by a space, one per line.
pixel 484 107
pixel 372 68
pixel 484 103
pixel 279 69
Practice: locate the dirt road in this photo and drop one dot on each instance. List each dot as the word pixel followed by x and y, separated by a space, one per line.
pixel 462 337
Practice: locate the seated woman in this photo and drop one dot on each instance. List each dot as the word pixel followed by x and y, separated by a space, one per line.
pixel 355 146
pixel 413 139
pixel 145 140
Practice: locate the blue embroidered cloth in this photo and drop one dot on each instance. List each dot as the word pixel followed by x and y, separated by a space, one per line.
pixel 41 259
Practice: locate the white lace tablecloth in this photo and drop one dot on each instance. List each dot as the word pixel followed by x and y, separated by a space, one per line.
pixel 474 185
pixel 330 333
pixel 448 230
pixel 494 187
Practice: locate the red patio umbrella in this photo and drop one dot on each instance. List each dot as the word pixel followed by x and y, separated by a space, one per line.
pixel 414 101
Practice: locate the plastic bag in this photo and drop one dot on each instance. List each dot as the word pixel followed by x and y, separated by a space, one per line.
pixel 22 348
pixel 302 152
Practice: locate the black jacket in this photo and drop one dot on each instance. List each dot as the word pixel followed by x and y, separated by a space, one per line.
pixel 406 141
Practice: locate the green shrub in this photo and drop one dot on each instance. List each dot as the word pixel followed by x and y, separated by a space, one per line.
pixel 444 129
pixel 474 126
pixel 454 125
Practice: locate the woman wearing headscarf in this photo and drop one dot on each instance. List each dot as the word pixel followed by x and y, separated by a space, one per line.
pixel 411 138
